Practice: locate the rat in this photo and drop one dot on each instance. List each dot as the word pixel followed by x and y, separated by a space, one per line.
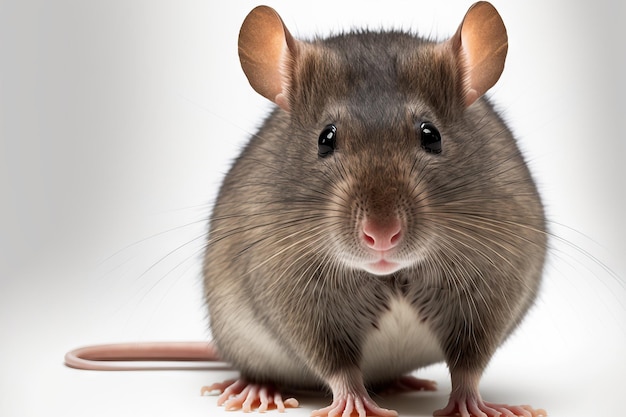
pixel 382 219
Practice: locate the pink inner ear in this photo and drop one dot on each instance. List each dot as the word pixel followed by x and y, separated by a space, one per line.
pixel 264 46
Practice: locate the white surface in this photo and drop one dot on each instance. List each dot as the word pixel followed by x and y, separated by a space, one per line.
pixel 118 120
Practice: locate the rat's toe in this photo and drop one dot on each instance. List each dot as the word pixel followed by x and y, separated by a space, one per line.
pixel 245 396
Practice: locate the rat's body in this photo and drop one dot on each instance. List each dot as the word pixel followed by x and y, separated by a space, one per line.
pixel 350 266
pixel 381 220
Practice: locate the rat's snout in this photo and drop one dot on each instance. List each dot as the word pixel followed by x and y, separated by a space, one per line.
pixel 379 220
pixel 381 235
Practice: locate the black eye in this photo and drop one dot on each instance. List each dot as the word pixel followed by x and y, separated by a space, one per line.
pixel 430 137
pixel 327 141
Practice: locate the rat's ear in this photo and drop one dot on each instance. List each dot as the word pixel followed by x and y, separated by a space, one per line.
pixel 265 49
pixel 481 44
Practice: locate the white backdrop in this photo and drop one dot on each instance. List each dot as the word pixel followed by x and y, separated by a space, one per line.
pixel 118 120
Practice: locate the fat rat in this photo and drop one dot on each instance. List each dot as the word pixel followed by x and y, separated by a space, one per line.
pixel 381 220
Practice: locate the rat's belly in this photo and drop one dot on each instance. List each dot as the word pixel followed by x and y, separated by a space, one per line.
pixel 402 342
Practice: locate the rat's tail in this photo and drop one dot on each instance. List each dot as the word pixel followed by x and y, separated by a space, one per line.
pixel 99 357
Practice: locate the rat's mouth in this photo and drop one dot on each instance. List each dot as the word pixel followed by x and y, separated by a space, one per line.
pixel 379 263
pixel 382 263
pixel 382 267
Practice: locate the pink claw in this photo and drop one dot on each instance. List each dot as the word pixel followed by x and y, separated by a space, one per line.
pixel 242 395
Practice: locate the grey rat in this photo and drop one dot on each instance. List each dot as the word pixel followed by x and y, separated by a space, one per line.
pixel 382 219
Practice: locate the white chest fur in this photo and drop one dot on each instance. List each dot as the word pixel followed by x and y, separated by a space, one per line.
pixel 400 344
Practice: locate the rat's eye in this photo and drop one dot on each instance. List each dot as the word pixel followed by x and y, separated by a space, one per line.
pixel 327 141
pixel 430 137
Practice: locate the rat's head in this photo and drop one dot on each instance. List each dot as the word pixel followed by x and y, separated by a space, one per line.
pixel 381 128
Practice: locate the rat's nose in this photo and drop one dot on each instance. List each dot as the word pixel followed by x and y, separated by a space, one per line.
pixel 381 236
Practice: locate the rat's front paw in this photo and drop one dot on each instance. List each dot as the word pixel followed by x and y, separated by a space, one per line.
pixel 476 407
pixel 347 404
pixel 241 395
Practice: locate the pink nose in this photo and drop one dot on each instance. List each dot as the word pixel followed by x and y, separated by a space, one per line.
pixel 381 237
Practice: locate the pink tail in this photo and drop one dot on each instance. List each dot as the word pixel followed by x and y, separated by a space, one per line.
pixel 96 357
